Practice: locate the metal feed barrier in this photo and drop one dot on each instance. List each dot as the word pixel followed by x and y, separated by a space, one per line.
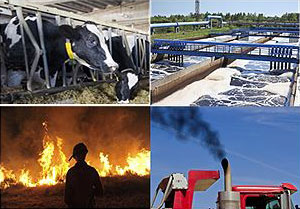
pixel 262 52
pixel 9 7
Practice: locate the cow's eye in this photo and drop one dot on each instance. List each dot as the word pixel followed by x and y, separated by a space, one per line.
pixel 91 41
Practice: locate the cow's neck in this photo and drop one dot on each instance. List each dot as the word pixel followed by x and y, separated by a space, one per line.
pixel 61 44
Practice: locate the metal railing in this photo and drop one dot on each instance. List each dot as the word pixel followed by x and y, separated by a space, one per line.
pixel 59 17
pixel 262 52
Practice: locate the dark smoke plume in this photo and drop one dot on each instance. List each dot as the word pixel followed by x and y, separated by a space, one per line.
pixel 189 125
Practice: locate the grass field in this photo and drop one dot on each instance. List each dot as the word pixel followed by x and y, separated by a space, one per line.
pixel 119 192
pixel 190 34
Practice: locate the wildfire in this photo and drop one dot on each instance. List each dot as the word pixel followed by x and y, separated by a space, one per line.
pixel 53 162
pixel 138 165
pixel 25 179
pixel 106 169
pixel 54 165
pixel 7 177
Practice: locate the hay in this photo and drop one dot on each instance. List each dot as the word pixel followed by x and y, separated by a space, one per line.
pixel 100 94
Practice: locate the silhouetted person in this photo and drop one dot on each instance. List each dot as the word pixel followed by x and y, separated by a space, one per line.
pixel 82 181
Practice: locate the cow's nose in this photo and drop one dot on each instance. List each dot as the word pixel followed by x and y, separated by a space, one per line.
pixel 110 69
pixel 123 101
pixel 113 69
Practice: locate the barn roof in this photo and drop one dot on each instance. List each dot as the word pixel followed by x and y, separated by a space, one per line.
pixel 84 6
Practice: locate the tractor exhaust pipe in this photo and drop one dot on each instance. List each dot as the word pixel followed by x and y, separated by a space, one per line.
pixel 228 199
pixel 227 175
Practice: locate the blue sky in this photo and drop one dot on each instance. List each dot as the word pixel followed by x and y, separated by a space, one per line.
pixel 262 145
pixel 267 7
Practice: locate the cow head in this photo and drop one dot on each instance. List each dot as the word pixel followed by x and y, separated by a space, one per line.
pixel 89 47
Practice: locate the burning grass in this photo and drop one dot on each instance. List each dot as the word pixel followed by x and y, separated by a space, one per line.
pixel 128 191
pixel 54 165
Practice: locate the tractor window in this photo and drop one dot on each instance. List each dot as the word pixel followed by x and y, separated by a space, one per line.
pixel 273 204
pixel 262 203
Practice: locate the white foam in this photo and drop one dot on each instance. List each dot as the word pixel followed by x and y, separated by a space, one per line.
pixel 297 97
pixel 288 75
pixel 281 89
pixel 217 81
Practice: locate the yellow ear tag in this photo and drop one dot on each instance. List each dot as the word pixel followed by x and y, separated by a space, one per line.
pixel 69 50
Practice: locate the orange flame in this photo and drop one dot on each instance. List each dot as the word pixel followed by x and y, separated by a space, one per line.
pixel 25 179
pixel 106 169
pixel 7 177
pixel 53 162
pixel 138 165
pixel 54 165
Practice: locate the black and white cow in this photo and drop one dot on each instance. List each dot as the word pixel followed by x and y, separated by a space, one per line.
pixel 127 86
pixel 88 46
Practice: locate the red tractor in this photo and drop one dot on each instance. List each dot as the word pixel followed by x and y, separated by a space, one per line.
pixel 178 192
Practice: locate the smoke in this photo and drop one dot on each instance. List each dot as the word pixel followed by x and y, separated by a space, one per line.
pixel 189 126
pixel 115 131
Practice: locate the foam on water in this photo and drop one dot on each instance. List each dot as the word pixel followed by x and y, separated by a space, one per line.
pixel 163 68
pixel 242 83
pixel 217 81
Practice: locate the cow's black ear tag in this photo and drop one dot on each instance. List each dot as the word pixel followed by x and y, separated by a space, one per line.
pixel 69 32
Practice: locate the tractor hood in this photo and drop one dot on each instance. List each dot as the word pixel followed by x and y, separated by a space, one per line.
pixel 200 180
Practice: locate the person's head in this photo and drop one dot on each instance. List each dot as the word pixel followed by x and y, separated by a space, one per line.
pixel 79 152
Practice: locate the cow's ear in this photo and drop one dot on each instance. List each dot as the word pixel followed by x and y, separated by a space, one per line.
pixel 69 32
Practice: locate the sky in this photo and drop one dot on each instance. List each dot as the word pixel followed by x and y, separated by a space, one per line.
pixel 267 7
pixel 262 145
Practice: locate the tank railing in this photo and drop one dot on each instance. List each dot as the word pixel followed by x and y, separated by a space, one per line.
pixel 219 47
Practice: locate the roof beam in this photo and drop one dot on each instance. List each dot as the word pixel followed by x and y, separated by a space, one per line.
pixel 79 5
pixel 62 8
pixel 96 4
pixel 112 2
pixel 73 7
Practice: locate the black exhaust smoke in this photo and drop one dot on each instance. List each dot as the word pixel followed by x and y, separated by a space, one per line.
pixel 189 125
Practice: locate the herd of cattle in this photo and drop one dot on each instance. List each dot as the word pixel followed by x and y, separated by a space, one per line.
pixel 89 48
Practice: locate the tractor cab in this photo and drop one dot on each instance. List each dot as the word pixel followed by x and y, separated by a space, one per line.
pixel 266 197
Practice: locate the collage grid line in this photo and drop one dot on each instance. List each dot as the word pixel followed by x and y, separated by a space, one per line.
pixel 160 104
